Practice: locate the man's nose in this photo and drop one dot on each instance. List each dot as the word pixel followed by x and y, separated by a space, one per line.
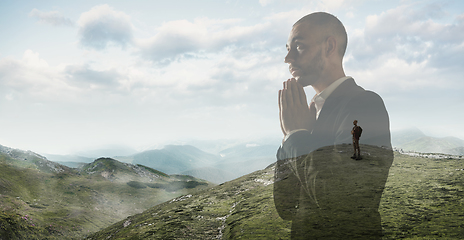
pixel 290 58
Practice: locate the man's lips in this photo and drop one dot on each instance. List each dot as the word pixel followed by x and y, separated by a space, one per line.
pixel 294 70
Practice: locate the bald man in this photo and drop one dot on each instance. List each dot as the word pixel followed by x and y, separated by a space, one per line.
pixel 318 187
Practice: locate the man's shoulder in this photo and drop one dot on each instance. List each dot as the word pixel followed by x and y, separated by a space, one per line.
pixel 347 90
pixel 355 93
pixel 349 95
pixel 350 88
pixel 367 97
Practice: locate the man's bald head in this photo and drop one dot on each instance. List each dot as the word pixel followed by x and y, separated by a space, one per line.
pixel 326 25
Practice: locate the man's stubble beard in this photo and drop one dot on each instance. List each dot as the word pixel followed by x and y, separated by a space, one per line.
pixel 312 74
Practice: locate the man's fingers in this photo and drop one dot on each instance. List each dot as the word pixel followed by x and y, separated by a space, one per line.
pixel 282 108
pixel 287 97
pixel 280 111
pixel 301 94
pixel 283 101
pixel 293 85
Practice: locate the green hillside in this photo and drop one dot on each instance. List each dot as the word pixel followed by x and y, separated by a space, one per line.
pixel 212 174
pixel 423 199
pixel 433 145
pixel 42 202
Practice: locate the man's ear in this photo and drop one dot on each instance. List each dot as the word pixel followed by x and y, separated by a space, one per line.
pixel 331 46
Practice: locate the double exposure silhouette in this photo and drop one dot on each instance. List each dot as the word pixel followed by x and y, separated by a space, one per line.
pixel 318 186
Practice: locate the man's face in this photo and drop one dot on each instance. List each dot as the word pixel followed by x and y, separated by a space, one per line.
pixel 304 55
pixel 355 122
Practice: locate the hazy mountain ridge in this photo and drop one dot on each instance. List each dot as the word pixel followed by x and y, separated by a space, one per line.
pixel 235 160
pixel 428 206
pixel 415 140
pixel 107 151
pixel 175 158
pixel 248 151
pixel 401 137
pixel 185 159
pixel 73 161
pixel 228 164
pixel 432 145
pixel 32 159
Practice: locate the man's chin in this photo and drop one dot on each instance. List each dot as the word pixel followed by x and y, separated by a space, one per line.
pixel 303 82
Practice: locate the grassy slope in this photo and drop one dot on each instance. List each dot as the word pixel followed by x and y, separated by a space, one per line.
pixel 236 208
pixel 38 205
pixel 423 199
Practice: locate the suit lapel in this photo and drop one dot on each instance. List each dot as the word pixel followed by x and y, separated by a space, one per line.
pixel 333 106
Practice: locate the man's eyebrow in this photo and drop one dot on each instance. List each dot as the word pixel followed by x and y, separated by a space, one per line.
pixel 296 38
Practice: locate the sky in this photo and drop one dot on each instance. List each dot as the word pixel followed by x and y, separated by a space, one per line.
pixel 78 75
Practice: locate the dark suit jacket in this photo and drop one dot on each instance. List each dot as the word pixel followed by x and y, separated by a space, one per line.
pixel 318 186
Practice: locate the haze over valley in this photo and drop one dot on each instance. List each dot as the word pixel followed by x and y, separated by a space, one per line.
pixel 221 161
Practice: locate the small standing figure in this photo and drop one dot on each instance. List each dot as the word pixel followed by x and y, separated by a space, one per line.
pixel 356 132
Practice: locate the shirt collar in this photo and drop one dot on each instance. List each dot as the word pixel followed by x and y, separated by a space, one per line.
pixel 319 99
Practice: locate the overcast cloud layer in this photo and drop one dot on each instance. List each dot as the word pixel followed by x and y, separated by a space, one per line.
pixel 83 76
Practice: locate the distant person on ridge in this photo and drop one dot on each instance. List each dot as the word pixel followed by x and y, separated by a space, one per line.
pixel 317 185
pixel 356 132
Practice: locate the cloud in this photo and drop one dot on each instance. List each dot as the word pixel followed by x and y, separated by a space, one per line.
pixel 414 33
pixel 178 40
pixel 102 26
pixel 25 73
pixel 53 18
pixel 31 76
pixel 265 2
pixel 331 4
pixel 181 38
pixel 83 75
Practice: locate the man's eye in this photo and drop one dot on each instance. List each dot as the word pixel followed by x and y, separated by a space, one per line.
pixel 299 47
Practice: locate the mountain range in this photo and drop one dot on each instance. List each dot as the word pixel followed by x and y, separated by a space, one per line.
pixel 228 164
pixel 415 140
pixel 230 160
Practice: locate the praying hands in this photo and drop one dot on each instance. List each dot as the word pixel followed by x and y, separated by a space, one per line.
pixel 294 113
